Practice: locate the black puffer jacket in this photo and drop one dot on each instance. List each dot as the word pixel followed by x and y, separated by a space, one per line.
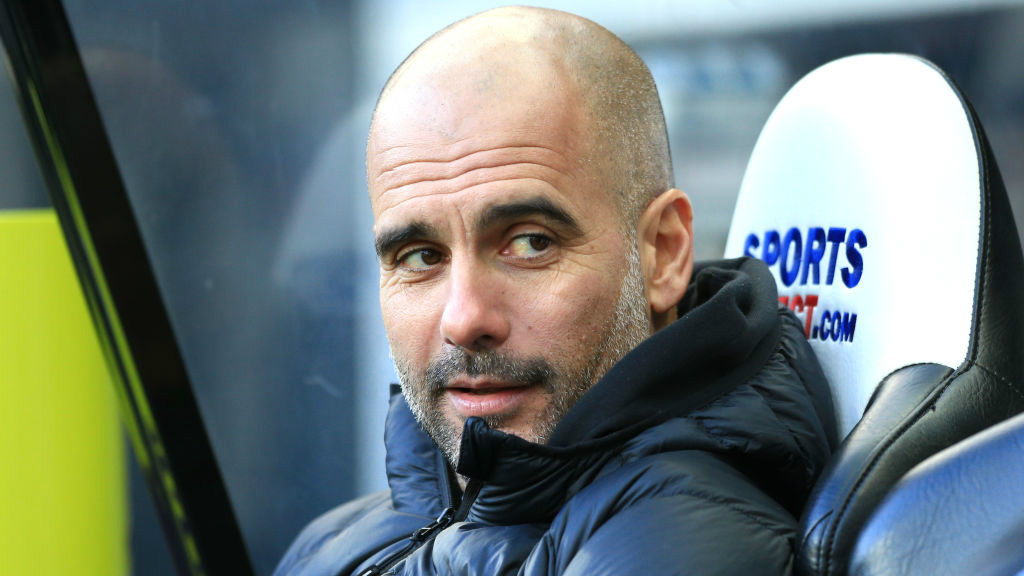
pixel 692 456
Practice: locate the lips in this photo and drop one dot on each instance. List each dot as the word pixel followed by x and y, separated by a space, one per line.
pixel 487 398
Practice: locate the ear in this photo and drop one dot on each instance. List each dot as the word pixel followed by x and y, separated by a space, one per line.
pixel 665 233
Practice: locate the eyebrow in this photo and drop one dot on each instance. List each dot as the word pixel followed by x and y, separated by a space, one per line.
pixel 390 240
pixel 536 206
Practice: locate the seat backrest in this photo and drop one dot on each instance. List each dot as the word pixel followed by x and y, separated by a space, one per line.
pixel 959 512
pixel 874 197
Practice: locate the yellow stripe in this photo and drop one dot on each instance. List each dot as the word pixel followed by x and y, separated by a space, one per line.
pixel 61 443
pixel 114 342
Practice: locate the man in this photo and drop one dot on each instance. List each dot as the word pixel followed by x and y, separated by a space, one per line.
pixel 572 403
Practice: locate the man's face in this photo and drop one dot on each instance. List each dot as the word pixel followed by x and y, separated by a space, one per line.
pixel 508 282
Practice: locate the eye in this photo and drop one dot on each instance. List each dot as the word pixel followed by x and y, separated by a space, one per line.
pixel 528 245
pixel 420 259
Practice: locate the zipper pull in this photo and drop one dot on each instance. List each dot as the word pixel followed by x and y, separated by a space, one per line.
pixel 448 516
pixel 442 522
pixel 416 539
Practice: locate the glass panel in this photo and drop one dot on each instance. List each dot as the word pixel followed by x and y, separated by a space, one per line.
pixel 240 127
pixel 216 115
pixel 23 186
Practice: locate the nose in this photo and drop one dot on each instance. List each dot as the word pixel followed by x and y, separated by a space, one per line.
pixel 474 317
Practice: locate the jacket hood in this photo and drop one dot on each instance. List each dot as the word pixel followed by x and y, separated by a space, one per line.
pixel 690 386
pixel 726 330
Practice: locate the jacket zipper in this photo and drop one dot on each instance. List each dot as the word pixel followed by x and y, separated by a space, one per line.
pixel 420 537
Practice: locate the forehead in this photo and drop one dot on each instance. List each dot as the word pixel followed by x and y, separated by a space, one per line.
pixel 437 132
pixel 470 173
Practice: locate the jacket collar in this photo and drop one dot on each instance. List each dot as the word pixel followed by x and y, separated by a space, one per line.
pixel 726 331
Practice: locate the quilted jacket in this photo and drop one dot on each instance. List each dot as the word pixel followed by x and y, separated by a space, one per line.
pixel 693 455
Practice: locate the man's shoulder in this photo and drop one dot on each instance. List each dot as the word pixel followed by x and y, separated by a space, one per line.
pixel 329 526
pixel 342 516
pixel 774 430
pixel 794 351
pixel 670 508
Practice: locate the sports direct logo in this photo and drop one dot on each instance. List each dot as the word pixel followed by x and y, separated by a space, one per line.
pixel 812 259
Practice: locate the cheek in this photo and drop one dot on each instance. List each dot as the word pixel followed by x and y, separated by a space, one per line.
pixel 410 324
pixel 570 314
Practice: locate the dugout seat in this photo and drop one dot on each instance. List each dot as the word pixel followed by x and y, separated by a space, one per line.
pixel 959 512
pixel 873 195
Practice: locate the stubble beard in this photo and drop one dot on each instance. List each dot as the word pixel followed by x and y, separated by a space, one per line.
pixel 563 382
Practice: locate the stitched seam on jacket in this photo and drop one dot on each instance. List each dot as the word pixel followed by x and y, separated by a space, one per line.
pixel 336 532
pixel 805 455
pixel 765 394
pixel 707 498
pixel 724 439
pixel 720 439
pixel 790 362
pixel 304 559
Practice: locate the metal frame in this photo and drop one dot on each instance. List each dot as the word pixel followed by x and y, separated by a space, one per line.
pixel 145 361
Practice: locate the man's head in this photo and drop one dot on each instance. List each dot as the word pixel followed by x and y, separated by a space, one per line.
pixel 527 228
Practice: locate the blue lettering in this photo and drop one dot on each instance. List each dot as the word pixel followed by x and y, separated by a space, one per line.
pixel 789 269
pixel 812 257
pixel 770 253
pixel 835 326
pixel 749 246
pixel 795 259
pixel 836 236
pixel 856 239
pixel 849 325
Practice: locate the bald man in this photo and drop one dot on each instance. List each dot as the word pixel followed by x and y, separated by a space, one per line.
pixel 577 397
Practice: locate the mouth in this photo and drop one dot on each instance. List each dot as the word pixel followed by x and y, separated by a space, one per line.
pixel 486 398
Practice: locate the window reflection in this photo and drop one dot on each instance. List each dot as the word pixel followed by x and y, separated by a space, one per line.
pixel 23 188
pixel 22 184
pixel 214 133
